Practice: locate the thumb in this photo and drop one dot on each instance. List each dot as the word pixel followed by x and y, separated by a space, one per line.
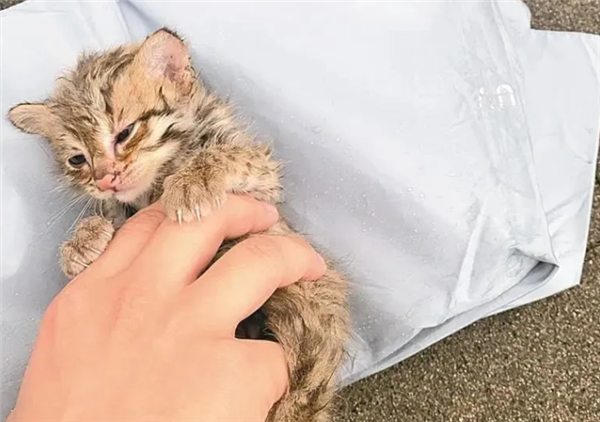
pixel 131 239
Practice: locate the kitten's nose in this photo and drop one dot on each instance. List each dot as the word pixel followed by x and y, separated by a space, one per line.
pixel 109 181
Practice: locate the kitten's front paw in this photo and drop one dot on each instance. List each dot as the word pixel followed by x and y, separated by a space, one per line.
pixel 91 238
pixel 186 198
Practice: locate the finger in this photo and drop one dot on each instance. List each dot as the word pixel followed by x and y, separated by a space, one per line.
pixel 178 253
pixel 242 280
pixel 269 369
pixel 131 239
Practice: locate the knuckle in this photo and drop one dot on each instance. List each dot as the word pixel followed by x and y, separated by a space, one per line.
pixel 151 215
pixel 268 248
pixel 147 219
pixel 67 306
pixel 132 308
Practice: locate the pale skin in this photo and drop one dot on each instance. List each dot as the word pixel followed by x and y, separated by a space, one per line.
pixel 139 337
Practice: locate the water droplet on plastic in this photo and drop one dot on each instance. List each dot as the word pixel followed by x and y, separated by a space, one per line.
pixel 410 189
pixel 312 142
pixel 316 129
pixel 416 230
pixel 292 117
pixel 451 174
pixel 422 196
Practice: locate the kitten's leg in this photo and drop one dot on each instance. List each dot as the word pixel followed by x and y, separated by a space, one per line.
pixel 311 321
pixel 87 244
pixel 201 186
pixel 90 239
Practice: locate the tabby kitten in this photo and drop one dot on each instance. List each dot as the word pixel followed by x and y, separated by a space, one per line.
pixel 134 125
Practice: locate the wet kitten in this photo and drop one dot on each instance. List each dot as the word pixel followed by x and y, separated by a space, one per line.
pixel 134 125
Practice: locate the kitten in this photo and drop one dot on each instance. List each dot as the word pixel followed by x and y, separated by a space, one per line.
pixel 134 125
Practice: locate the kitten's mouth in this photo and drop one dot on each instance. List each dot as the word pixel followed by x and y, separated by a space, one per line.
pixel 125 193
pixel 128 187
pixel 120 192
pixel 129 192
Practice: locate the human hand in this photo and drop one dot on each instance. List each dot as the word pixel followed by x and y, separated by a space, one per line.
pixel 139 337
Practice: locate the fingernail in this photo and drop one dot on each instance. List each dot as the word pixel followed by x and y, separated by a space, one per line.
pixel 270 208
pixel 323 261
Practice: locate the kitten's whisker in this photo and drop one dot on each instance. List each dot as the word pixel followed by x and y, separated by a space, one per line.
pixel 81 214
pixel 101 206
pixel 58 188
pixel 98 208
pixel 63 210
pixel 53 220
pixel 75 199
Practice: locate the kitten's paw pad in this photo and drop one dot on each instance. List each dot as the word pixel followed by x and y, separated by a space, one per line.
pixel 185 201
pixel 91 238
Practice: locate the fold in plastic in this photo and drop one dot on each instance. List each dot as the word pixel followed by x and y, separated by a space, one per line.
pixel 442 152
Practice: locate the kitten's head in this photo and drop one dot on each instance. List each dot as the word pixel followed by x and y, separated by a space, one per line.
pixel 117 119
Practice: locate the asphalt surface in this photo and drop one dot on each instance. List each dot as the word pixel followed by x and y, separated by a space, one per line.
pixel 540 363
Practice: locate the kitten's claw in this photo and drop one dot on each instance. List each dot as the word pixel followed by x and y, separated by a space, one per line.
pixel 187 201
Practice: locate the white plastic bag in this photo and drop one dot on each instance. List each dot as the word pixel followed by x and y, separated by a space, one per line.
pixel 442 152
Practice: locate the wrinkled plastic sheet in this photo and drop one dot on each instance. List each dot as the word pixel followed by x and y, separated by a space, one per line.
pixel 442 152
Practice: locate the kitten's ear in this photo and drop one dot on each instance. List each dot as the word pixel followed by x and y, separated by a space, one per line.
pixel 164 55
pixel 33 118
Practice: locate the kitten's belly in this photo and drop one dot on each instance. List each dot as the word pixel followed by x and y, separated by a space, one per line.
pixel 254 327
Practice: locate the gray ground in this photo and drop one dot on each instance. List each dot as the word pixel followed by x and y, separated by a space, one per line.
pixel 539 363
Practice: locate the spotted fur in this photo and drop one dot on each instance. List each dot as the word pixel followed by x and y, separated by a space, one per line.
pixel 134 125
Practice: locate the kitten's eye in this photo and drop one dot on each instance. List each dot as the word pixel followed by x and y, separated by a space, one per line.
pixel 77 160
pixel 124 134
